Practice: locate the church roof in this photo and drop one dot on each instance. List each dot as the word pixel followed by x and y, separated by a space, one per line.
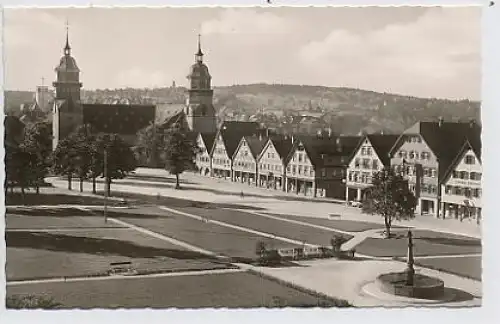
pixel 118 119
pixel 199 70
pixel 67 64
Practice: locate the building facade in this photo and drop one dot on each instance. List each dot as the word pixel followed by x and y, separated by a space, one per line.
pixel 203 159
pixel 461 187
pixel 221 161
pixel 369 157
pixel 245 167
pixel 272 162
pixel 423 154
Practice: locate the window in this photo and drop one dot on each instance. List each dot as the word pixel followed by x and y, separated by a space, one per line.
pixel 368 151
pixel 306 169
pixel 363 151
pixel 288 168
pixel 463 175
pixel 300 169
pixel 433 173
pixel 356 177
pixel 374 164
pixel 366 163
pixel 300 157
pixel 412 155
pixel 323 173
pixel 455 174
pixel 477 193
pixel 448 190
pixel 470 159
pixel 350 176
pixel 356 163
pixel 294 169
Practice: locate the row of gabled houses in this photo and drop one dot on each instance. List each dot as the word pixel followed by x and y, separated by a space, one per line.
pixel 441 161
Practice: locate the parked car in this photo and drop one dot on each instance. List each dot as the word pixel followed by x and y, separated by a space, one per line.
pixel 356 203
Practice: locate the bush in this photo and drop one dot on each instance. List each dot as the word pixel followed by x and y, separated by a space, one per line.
pixel 31 302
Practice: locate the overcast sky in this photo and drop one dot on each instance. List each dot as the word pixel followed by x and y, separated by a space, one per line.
pixel 427 52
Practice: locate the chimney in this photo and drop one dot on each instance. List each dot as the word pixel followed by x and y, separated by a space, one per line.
pixel 440 121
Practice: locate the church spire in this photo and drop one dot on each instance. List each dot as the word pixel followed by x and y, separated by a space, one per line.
pixel 199 55
pixel 67 48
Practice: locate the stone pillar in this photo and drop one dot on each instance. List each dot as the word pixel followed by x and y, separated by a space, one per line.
pixel 232 175
pixel 358 194
pixel 315 185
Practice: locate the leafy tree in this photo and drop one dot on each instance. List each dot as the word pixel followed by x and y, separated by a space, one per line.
pixel 336 242
pixel 83 141
pixel 179 151
pixel 391 198
pixel 63 159
pixel 148 146
pixel 120 157
pixel 37 144
pixel 16 168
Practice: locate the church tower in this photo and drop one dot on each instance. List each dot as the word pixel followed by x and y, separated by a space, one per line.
pixel 200 112
pixel 67 113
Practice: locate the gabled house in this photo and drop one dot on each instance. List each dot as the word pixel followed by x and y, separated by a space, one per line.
pixel 370 156
pixel 272 162
pixel 461 185
pixel 245 167
pixel 423 154
pixel 205 142
pixel 226 141
pixel 317 166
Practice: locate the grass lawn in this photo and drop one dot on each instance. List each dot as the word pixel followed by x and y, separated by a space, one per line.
pixel 469 267
pixel 233 290
pixel 342 225
pixel 223 240
pixel 280 228
pixel 50 196
pixel 75 250
pixel 21 220
pixel 425 243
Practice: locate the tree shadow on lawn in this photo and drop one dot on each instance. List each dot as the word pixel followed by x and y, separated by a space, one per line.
pixel 89 245
pixel 451 241
pixel 177 202
pixel 31 199
pixel 82 213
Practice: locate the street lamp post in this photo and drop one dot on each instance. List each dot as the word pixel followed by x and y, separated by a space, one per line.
pixel 105 185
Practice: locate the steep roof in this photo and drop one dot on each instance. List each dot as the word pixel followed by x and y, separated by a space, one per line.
pixel 256 144
pixel 282 144
pixel 468 144
pixel 208 139
pixel 317 148
pixel 233 131
pixel 445 139
pixel 382 144
pixel 119 119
